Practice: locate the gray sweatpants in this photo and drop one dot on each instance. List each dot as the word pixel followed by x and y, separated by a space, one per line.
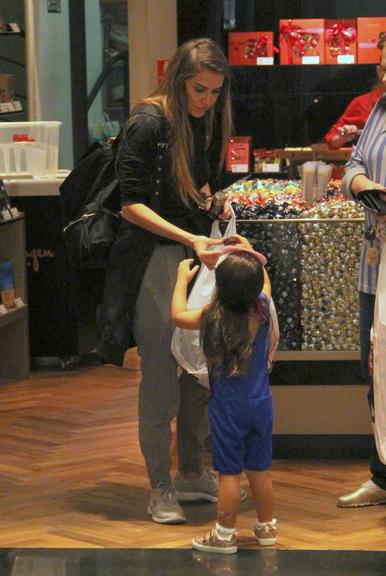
pixel 162 395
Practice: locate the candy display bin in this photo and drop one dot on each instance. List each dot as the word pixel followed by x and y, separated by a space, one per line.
pixel 313 266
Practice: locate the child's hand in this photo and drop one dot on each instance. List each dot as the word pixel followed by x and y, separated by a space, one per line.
pixel 185 273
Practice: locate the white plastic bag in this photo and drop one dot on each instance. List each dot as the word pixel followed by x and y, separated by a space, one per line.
pixel 379 360
pixel 186 343
pixel 274 333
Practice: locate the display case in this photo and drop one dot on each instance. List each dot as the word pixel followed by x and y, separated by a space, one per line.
pixel 313 266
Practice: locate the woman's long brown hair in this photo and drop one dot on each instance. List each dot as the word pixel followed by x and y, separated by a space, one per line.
pixel 170 96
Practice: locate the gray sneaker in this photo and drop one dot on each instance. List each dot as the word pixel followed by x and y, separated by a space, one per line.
pixel 203 488
pixel 164 508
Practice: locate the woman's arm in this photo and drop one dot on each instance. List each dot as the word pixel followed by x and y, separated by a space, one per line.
pixel 183 318
pixel 357 176
pixel 361 182
pixel 146 218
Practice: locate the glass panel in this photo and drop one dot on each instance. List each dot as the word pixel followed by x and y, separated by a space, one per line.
pixel 107 67
pixel 13 91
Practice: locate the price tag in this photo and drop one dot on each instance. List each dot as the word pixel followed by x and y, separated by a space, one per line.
pixel 240 168
pixel 271 167
pixel 346 59
pixel 6 215
pixel 310 60
pixel 14 27
pixel 267 61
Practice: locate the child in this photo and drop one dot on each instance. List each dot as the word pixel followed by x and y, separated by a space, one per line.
pixel 235 330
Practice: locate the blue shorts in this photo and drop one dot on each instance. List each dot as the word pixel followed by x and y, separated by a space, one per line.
pixel 241 435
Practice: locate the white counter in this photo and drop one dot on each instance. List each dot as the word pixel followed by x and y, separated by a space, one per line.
pixel 18 185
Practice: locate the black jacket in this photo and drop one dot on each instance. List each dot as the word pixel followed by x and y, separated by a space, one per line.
pixel 129 258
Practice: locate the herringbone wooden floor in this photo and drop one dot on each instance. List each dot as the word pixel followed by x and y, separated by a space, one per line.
pixel 71 475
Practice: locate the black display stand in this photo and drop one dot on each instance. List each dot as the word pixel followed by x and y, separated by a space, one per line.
pixel 53 315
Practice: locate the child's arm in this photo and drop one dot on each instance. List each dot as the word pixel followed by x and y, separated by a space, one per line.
pixel 183 318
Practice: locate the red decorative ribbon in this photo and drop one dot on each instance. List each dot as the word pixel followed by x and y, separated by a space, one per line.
pixel 256 48
pixel 299 42
pixel 339 38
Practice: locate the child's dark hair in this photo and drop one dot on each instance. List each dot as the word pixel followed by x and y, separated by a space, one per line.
pixel 225 329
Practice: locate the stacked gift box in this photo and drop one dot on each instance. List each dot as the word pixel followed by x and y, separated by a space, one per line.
pixel 313 259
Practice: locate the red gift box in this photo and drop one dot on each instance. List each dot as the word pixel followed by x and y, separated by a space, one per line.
pixel 250 48
pixel 238 153
pixel 369 30
pixel 340 42
pixel 161 69
pixel 302 41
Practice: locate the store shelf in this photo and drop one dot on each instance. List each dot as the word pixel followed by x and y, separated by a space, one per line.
pixel 13 107
pixel 13 60
pixel 21 33
pixel 317 355
pixel 13 316
pixel 14 338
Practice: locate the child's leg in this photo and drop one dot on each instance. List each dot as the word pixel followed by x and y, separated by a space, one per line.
pixel 265 530
pixel 262 493
pixel 228 499
pixel 222 539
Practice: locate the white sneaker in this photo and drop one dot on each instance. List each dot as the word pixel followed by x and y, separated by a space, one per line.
pixel 164 508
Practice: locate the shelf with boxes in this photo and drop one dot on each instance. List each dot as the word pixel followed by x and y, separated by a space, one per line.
pixel 29 168
pixel 12 77
pixel 14 349
pixel 309 41
pixel 292 95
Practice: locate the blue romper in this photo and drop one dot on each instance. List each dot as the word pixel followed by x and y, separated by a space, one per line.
pixel 241 412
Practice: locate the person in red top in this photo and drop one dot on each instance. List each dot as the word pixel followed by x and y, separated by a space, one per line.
pixel 354 117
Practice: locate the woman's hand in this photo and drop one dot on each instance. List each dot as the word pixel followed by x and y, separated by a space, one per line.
pixel 185 273
pixel 226 214
pixel 201 245
pixel 237 240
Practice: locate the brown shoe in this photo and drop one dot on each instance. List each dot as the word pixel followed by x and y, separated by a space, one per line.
pixel 369 494
pixel 211 542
